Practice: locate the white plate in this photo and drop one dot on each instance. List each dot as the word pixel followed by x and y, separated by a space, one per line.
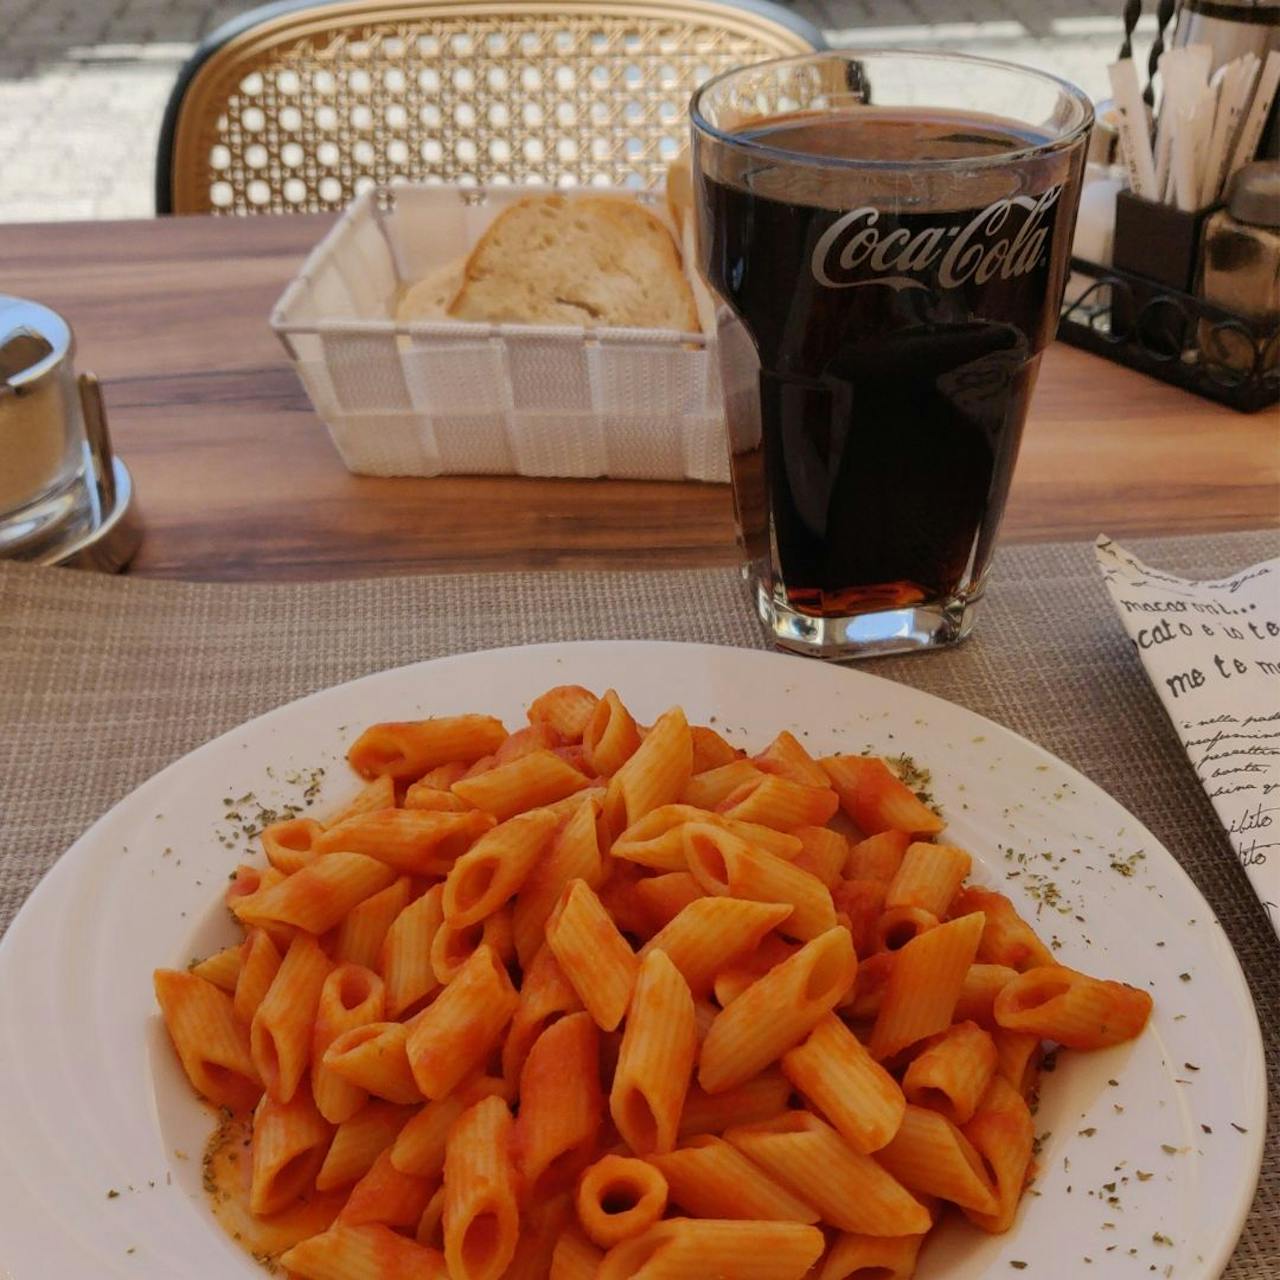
pixel 91 1098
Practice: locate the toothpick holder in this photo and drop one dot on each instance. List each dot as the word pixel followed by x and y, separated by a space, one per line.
pixel 1158 241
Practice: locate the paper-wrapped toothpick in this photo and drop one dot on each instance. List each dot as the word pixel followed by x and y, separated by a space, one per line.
pixel 1212 653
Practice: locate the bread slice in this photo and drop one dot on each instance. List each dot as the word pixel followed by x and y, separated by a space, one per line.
pixel 430 297
pixel 680 188
pixel 594 261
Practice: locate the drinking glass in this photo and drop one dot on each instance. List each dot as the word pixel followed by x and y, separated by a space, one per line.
pixel 888 234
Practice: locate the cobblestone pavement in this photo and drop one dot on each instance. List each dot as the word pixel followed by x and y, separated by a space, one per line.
pixel 83 83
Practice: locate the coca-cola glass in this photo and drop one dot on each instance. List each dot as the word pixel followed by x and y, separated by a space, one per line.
pixel 889 235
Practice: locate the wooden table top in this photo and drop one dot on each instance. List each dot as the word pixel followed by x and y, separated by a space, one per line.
pixel 237 479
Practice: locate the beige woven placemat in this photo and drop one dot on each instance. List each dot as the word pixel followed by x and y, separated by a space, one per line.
pixel 107 680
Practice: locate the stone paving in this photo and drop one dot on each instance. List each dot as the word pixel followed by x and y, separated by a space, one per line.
pixel 83 83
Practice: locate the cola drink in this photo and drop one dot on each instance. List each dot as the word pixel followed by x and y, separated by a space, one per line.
pixel 880 352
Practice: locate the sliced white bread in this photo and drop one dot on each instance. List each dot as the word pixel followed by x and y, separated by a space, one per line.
pixel 593 261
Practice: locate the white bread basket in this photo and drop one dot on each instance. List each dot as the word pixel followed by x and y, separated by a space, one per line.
pixel 450 397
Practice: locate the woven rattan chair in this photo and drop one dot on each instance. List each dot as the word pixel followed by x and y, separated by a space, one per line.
pixel 299 106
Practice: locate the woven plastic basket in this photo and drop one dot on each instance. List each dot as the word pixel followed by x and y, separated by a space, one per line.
pixel 442 397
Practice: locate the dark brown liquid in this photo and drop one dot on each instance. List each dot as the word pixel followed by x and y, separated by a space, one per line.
pixel 895 367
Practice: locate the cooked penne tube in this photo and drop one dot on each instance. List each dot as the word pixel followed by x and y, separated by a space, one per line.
pixel 657 839
pixel 350 997
pixel 931 1157
pixel 574 1257
pixel 280 1034
pixel 727 866
pixel 707 789
pixel 364 928
pixel 481 1218
pixel 561 1106
pixel 899 925
pixel 610 737
pixel 876 799
pixel 495 867
pixel 778 802
pixel 776 1012
pixel 419 1147
pixel 540 778
pixel 257 972
pixel 823 853
pixel 566 710
pixel 759 1098
pixel 405 750
pixel 978 994
pixel 1018 1058
pixel 1002 1132
pixel 211 1045
pixel 416 842
pixel 711 934
pixel 405 958
pixel 454 1036
pixel 377 793
pixel 317 897
pixel 619 1197
pixel 711 1178
pixel 924 985
pixel 869 986
pixel 655 1063
pixel 710 750
pixel 951 1074
pixel 855 1257
pixel 524 742
pixel 290 845
pixel 290 1140
pixel 592 954
pixel 663 897
pixel 576 853
pixel 859 905
pixel 541 1226
pixel 772 951
pixel 374 1057
pixel 222 968
pixel 247 880
pixel 387 1196
pixel 368 1252
pixel 782 844
pixel 618 897
pixel 545 994
pixel 1072 1008
pixel 928 877
pixel 698 1248
pixel 453 946
pixel 849 1190
pixel 877 857
pixel 654 775
pixel 435 799
pixel 359 1141
pixel 838 1076
pixel 1007 938
pixel 431 1225
pixel 787 758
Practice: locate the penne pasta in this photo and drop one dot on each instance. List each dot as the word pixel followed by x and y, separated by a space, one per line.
pixel 370 1250
pixel 760 1098
pixel 710 750
pixel 850 1191
pixel 387 1196
pixel 864 1001
pixel 785 757
pixel 436 799
pixel 1071 1008
pixel 657 839
pixel 494 868
pixel 928 877
pixel 404 961
pixel 545 994
pixel 405 750
pixel 699 1248
pixel 655 1063
pixel 358 1142
pixel 290 845
pixel 364 929
pixel 280 1034
pixel 317 897
pixel 977 999
pixel 481 1217
pixel 823 853
pixel 574 1257
pixel 377 793
pixel 1007 938
pixel 711 1178
pixel 223 967
pixel 924 985
pixel 290 1140
pixel 855 1257
pixel 931 1157
pixel 711 934
pixel 415 842
pixel 778 802
pixel 212 1045
pixel 455 1035
pixel 1002 1133
pixel 540 1227
pixel 260 964
pixel 431 1225
pixel 776 1012
pixel 374 1058
pixel 453 946
pixel 655 774
pixel 540 778
pixel 852 1090
pixel 727 866
pixel 859 905
pixel 561 1106
pixel 708 788
pixel 592 954
pixel 876 799
pixel 663 897
pixel 419 1146
pixel 610 737
pixel 877 857
pixel 618 1198
pixel 899 925
pixel 1018 1058
pixel 952 1074
pixel 565 710
pixel 350 997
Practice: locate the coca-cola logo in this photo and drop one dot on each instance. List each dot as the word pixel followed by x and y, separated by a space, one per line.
pixel 854 250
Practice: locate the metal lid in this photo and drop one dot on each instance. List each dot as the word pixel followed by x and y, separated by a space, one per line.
pixel 1255 194
pixel 33 340
pixel 110 544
